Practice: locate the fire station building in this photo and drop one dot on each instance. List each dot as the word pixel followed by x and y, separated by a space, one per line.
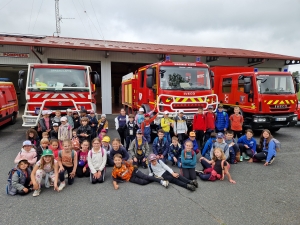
pixel 114 59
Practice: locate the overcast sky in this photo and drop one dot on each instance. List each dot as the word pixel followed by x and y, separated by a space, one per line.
pixel 262 25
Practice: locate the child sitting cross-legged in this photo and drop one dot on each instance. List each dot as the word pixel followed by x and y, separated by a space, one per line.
pixel 158 169
pixel 216 168
pixel 124 171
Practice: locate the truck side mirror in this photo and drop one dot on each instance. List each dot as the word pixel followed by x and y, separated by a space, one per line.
pixel 212 78
pixel 150 72
pixel 149 81
pixel 297 87
pixel 296 84
pixel 21 84
pixel 96 78
pixel 21 74
pixel 247 85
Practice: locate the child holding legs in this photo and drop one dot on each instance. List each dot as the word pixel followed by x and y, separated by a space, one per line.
pixel 247 145
pixel 174 155
pixel 124 171
pixel 67 161
pixel 188 161
pixel 215 169
pixel 45 169
pixel 83 169
pixel 117 148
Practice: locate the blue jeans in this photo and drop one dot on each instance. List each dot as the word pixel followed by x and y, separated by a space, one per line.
pixel 172 160
pixel 148 138
pixel 167 136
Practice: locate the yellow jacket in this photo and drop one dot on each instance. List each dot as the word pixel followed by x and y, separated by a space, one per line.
pixel 166 124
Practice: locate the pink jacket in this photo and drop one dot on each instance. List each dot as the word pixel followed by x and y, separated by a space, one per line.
pixel 30 156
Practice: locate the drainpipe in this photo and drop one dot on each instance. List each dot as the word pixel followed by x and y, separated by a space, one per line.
pixel 36 55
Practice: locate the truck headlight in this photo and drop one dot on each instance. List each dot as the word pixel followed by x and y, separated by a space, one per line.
pixel 295 118
pixel 256 120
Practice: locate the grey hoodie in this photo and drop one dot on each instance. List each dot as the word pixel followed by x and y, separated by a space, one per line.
pixel 222 146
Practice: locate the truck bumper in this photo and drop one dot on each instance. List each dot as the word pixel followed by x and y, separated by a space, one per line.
pixel 273 121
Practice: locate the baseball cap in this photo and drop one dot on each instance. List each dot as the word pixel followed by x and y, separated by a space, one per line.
pixel 103 115
pixel 166 112
pixel 104 130
pixel 220 135
pixel 92 112
pixel 106 139
pixel 27 142
pixel 49 112
pixel 44 112
pixel 69 110
pixel 210 107
pixel 152 157
pixel 47 152
pixel 55 125
pixel 192 134
pixel 147 115
pixel 63 118
pixel 181 111
pixel 141 109
pixel 139 131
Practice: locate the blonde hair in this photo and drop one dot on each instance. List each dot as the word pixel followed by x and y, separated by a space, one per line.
pixel 45 140
pixel 223 157
pixel 43 163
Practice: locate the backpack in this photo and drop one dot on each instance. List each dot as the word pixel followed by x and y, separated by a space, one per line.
pixel 75 143
pixel 91 152
pixel 72 154
pixel 277 144
pixel 10 190
pixel 150 167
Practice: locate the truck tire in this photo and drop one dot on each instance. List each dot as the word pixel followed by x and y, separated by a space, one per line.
pixel 146 108
pixel 13 118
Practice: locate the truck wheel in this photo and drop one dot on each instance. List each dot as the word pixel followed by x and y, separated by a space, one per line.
pixel 146 108
pixel 273 130
pixel 13 119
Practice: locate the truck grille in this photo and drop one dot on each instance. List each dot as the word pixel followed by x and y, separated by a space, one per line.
pixel 280 108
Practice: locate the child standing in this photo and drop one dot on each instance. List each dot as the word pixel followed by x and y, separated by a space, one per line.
pixel 180 127
pixel 158 168
pixel 64 130
pixel 70 118
pixel 93 122
pixel 97 160
pixel 84 131
pixel 199 126
pixel 83 169
pixel 57 117
pixel 140 117
pixel 27 152
pixel 215 169
pixel 139 150
pixel 102 124
pixel 124 171
pixel 20 181
pixel 54 147
pixel 268 148
pixel 76 120
pixel 247 145
pixel 45 124
pixel 146 128
pixel 130 130
pixel 33 137
pixel 221 122
pixel 161 146
pixel 166 124
pixel 67 161
pixel 46 168
pixel 117 148
pixel 188 161
pixel 54 132
pixel 236 121
pixel 39 151
pixel 174 155
pixel 120 123
pixel 210 119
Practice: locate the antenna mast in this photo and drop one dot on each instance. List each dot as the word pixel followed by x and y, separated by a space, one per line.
pixel 58 18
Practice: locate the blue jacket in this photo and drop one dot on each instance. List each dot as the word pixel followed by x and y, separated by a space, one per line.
pixel 175 151
pixel 251 143
pixel 195 144
pixel 271 150
pixel 208 145
pixel 122 151
pixel 160 149
pixel 189 161
pixel 222 120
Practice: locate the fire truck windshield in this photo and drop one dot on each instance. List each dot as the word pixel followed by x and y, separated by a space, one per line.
pixel 272 84
pixel 184 78
pixel 57 79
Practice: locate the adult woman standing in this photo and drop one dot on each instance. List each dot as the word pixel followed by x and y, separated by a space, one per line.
pixel 120 122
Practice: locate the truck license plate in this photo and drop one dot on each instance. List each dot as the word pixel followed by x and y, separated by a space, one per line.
pixel 280 119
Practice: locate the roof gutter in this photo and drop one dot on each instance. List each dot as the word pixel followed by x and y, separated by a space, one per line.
pixel 36 55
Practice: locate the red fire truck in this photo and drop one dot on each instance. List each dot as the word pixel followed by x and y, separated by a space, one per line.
pixel 267 99
pixel 57 87
pixel 170 86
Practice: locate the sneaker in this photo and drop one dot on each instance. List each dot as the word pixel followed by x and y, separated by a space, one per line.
pixel 165 183
pixel 66 176
pixel 195 183
pixel 198 172
pixel 190 187
pixel 36 193
pixel 241 159
pixel 246 157
pixel 61 186
pixel 271 161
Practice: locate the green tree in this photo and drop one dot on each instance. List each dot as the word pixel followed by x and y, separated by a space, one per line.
pixel 296 74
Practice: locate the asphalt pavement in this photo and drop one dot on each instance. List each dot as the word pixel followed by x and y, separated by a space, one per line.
pixel 262 195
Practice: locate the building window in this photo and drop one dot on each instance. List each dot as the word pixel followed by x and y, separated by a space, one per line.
pixel 226 85
pixel 142 78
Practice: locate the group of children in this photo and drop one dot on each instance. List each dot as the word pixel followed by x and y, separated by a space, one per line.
pixel 49 163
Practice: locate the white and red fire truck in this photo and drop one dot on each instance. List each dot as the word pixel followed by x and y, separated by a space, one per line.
pixel 57 87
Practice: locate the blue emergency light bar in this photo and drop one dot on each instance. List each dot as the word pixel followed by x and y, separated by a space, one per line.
pixel 4 79
pixel 255 70
pixel 285 70
pixel 168 58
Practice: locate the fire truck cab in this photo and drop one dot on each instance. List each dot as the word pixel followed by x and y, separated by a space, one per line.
pixel 267 99
pixel 57 87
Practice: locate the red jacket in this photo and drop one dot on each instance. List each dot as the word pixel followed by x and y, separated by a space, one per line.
pixel 210 119
pixel 199 122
